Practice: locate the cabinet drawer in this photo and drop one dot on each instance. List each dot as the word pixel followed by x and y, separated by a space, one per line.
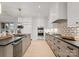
pixel 73 51
pixel 70 51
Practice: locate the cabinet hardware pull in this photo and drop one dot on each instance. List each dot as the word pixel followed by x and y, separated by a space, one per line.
pixel 58 47
pixel 70 48
pixel 54 43
pixel 58 41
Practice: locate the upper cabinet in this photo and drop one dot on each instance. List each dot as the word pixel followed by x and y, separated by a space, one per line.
pixel 62 10
pixel 73 14
pixel 7 18
pixel 58 11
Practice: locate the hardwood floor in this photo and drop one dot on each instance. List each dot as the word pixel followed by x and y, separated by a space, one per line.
pixel 39 48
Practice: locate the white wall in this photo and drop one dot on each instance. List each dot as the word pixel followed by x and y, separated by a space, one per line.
pixel 37 22
pixel 27 23
pixel 7 19
pixel 49 24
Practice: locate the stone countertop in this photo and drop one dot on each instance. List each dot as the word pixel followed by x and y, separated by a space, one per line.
pixel 9 41
pixel 74 43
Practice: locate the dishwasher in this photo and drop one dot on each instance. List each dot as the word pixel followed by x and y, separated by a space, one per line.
pixel 17 48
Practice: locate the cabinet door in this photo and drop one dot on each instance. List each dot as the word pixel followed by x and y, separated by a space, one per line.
pixel 72 13
pixel 23 45
pixel 72 51
pixel 58 11
pixel 8 51
pixel 62 10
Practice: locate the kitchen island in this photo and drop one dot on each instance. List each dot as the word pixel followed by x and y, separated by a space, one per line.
pixel 15 46
pixel 63 47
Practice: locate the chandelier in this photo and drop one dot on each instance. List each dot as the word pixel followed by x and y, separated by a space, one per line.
pixel 19 26
pixel 19 16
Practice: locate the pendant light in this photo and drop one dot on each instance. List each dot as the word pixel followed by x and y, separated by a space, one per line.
pixel 19 16
pixel 20 26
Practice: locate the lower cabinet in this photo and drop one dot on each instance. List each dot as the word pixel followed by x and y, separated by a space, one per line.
pixel 16 50
pixel 61 48
pixel 6 51
pixel 26 41
pixel 72 51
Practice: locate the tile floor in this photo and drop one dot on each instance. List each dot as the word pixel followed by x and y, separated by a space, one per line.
pixel 39 48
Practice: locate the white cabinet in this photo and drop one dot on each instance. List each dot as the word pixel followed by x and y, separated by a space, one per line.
pixel 58 11
pixel 72 13
pixel 62 10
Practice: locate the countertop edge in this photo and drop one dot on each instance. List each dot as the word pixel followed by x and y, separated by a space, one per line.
pixel 11 42
pixel 65 41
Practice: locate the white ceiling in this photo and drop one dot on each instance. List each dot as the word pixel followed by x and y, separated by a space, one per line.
pixel 29 9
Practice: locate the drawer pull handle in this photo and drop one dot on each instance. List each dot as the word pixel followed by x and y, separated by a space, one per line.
pixel 58 41
pixel 70 48
pixel 58 47
pixel 54 43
